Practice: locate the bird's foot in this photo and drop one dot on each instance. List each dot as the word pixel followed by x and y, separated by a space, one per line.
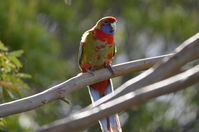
pixel 91 72
pixel 110 69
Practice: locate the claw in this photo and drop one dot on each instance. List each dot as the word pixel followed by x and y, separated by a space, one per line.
pixel 110 69
pixel 91 72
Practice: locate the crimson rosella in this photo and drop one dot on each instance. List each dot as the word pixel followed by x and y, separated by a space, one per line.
pixel 97 49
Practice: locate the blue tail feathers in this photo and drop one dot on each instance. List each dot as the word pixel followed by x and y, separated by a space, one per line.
pixel 111 123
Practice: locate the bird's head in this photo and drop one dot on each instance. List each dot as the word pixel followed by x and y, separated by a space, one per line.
pixel 107 24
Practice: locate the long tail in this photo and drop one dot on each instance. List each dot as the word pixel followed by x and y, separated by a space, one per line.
pixel 97 91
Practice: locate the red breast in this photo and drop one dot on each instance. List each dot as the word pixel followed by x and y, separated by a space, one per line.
pixel 100 35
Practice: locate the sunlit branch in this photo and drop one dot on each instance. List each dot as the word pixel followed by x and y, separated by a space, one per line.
pixel 80 81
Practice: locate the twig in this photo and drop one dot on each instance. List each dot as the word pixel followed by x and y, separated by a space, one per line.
pixel 66 100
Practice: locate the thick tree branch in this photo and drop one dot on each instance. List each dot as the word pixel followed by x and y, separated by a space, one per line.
pixel 75 83
pixel 89 116
pixel 185 53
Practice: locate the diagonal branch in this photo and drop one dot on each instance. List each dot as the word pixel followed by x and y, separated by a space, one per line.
pixel 185 53
pixel 75 83
pixel 89 116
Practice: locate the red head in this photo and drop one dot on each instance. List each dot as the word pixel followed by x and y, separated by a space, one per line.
pixel 110 19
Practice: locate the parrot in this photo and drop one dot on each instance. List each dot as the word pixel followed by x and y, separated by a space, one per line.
pixel 97 49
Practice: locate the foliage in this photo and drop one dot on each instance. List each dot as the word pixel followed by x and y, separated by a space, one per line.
pixel 11 79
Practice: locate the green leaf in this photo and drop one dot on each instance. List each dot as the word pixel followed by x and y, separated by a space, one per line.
pixel 17 53
pixel 23 75
pixel 2 47
pixel 15 61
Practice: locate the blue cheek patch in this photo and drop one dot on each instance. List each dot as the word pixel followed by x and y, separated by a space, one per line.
pixel 107 29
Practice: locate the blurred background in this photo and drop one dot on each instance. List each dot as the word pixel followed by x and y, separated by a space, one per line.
pixel 39 47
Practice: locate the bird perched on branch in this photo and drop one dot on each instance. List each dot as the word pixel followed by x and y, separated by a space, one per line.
pixel 97 49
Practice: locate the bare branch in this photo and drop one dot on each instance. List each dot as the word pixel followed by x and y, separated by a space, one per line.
pixel 89 116
pixel 187 52
pixel 75 83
